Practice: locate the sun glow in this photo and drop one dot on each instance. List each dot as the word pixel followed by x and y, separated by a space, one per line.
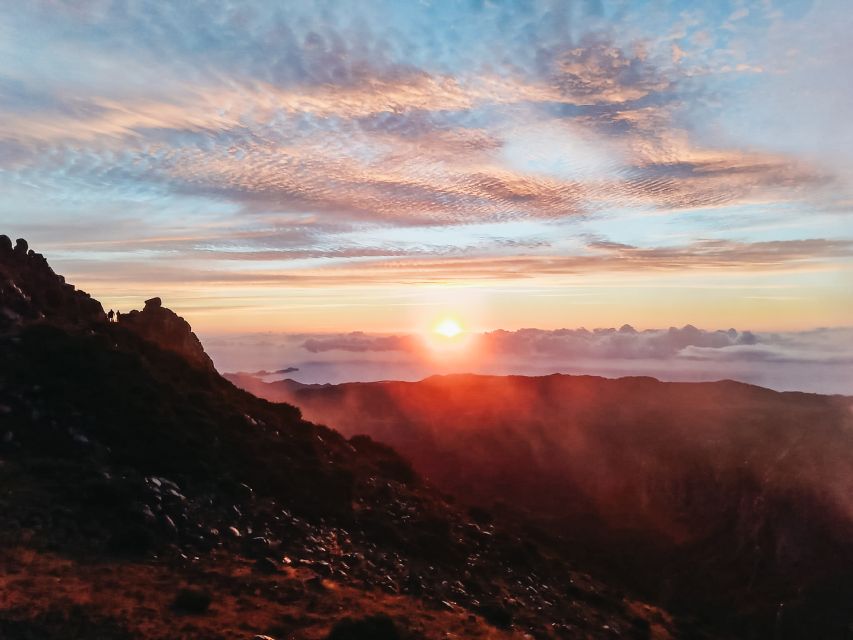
pixel 447 341
pixel 448 328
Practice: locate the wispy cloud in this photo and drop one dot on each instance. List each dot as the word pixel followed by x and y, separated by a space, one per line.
pixel 221 137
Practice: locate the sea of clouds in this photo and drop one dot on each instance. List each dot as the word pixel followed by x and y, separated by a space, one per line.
pixel 818 360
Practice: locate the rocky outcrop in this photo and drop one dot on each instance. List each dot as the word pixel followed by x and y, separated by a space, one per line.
pixel 168 330
pixel 31 291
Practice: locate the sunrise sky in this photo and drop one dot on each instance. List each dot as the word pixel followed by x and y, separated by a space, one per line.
pixel 378 166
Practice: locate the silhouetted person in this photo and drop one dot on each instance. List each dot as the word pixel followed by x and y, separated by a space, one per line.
pixel 118 316
pixel 111 315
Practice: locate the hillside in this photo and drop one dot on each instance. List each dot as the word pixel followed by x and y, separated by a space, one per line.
pixel 722 499
pixel 145 496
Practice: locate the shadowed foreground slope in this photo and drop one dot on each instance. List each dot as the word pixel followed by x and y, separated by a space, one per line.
pixel 144 496
pixel 723 499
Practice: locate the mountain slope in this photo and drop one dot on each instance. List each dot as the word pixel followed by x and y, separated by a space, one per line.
pixel 720 498
pixel 131 470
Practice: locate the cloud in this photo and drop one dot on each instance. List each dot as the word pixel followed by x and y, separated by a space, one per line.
pixel 596 72
pixel 623 343
pixel 610 257
pixel 225 143
pixel 207 262
pixel 358 341
pixel 330 124
pixel 826 346
pixel 819 360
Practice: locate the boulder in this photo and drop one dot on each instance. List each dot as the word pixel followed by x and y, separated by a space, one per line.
pixel 167 330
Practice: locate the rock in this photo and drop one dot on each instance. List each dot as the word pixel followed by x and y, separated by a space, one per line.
pixel 266 565
pixel 79 438
pixel 171 527
pixel 192 601
pixel 147 514
pixel 168 330
pixel 31 291
pixel 257 547
pixel 234 532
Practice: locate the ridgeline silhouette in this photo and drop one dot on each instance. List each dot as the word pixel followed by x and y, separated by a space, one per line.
pixel 721 500
pixel 145 496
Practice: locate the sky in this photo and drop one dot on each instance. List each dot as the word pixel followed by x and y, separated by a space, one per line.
pixel 329 167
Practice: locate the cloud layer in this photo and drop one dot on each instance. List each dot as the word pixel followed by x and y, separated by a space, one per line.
pixel 819 360
pixel 827 346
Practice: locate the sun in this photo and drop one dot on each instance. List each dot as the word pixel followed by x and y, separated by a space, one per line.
pixel 448 328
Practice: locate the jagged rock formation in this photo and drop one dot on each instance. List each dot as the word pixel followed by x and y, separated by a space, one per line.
pixel 30 291
pixel 167 329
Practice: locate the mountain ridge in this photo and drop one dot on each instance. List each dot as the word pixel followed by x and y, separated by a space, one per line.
pixel 750 484
pixel 122 451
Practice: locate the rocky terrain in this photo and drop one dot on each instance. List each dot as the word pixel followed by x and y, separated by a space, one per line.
pixel 728 501
pixel 142 495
